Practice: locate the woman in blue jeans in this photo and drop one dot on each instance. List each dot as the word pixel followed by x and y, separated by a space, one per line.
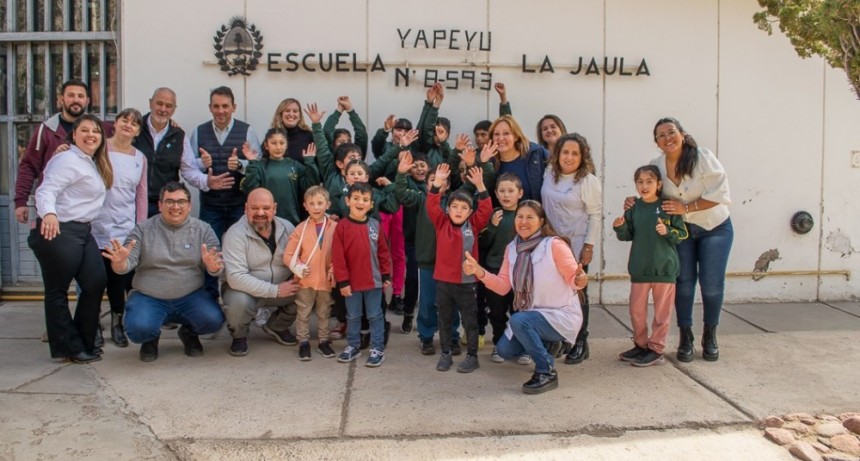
pixel 541 270
pixel 696 188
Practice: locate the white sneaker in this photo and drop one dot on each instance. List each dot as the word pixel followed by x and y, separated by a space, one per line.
pixel 262 318
pixel 524 360
pixel 495 357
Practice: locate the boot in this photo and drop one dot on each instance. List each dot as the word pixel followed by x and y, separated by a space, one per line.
pixel 117 332
pixel 578 354
pixel 100 339
pixel 710 350
pixel 386 332
pixel 685 345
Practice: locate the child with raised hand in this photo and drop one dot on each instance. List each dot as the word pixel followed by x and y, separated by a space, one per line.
pixel 284 177
pixel 309 257
pixel 434 130
pixel 493 242
pixel 337 136
pixel 362 267
pixel 653 265
pixel 457 233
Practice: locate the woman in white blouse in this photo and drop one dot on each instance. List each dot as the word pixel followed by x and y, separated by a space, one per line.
pixel 573 201
pixel 68 199
pixel 696 188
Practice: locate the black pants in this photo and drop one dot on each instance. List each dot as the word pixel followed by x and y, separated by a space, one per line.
pixel 501 307
pixel 72 254
pixel 583 301
pixel 118 286
pixel 410 291
pixel 451 298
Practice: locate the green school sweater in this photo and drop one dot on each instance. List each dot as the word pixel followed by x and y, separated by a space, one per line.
pixel 653 257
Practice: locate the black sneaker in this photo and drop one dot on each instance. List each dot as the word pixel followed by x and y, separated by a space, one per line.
pixel 648 358
pixel 469 365
pixel 149 350
pixel 365 340
pixel 239 348
pixel 455 348
pixel 396 306
pixel 632 354
pixel 190 341
pixel 324 348
pixel 541 382
pixel 427 348
pixel 283 337
pixel 445 362
pixel 406 326
pixel 304 351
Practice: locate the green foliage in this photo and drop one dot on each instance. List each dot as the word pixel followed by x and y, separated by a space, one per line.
pixel 827 28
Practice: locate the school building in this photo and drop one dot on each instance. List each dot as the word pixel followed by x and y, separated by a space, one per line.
pixel 785 128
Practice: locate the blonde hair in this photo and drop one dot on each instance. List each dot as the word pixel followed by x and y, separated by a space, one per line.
pixel 521 142
pixel 317 190
pixel 277 120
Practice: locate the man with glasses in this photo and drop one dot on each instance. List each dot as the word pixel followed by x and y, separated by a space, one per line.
pixel 169 253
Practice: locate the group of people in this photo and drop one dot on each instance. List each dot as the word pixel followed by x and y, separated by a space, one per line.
pixel 498 231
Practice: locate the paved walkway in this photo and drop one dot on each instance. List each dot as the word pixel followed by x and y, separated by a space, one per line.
pixel 775 359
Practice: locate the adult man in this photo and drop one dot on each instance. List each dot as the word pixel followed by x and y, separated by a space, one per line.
pixel 168 151
pixel 220 143
pixel 74 100
pixel 169 253
pixel 255 274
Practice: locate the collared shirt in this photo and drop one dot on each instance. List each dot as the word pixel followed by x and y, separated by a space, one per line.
pixel 251 138
pixel 72 187
pixel 188 168
pixel 708 181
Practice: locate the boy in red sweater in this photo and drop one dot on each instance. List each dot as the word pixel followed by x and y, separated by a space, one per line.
pixel 362 267
pixel 456 233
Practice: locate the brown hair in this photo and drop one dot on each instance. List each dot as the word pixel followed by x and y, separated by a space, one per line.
pixel 689 151
pixel 100 157
pixel 586 165
pixel 316 190
pixel 557 121
pixel 277 120
pixel 546 229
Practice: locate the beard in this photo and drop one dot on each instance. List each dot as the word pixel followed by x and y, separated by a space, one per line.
pixel 262 228
pixel 74 110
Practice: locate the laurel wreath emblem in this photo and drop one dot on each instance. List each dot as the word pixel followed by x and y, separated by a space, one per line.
pixel 242 64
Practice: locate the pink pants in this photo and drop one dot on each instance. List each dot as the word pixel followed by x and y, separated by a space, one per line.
pixel 392 229
pixel 664 301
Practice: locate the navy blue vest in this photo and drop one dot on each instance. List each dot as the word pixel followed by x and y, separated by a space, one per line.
pixel 220 153
pixel 162 161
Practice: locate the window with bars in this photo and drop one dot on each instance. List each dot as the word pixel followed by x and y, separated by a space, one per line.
pixel 42 44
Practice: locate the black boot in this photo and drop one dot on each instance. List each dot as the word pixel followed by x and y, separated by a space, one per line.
pixel 710 350
pixel 685 345
pixel 578 354
pixel 117 332
pixel 100 339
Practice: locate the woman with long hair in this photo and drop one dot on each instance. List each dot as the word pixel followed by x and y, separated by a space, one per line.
pixel 288 116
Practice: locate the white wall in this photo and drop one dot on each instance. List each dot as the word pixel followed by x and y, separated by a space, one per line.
pixel 782 126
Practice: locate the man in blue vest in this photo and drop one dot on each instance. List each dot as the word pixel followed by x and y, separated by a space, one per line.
pixel 220 143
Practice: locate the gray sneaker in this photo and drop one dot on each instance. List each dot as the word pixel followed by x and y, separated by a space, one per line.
pixel 445 362
pixel 469 365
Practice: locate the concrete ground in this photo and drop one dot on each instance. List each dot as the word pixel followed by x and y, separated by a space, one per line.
pixel 775 359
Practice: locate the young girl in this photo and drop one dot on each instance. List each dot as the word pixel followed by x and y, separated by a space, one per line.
pixel 284 177
pixel 653 265
pixel 492 242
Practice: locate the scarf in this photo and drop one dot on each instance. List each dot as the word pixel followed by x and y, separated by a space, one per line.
pixel 524 272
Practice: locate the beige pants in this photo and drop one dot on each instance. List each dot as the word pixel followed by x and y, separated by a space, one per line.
pixel 306 299
pixel 664 302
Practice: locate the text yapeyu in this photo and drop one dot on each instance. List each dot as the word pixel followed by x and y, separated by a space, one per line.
pixel 324 62
pixel 451 39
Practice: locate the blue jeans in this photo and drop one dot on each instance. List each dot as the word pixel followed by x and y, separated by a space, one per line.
pixel 531 330
pixel 219 219
pixel 372 299
pixel 427 321
pixel 704 257
pixel 144 315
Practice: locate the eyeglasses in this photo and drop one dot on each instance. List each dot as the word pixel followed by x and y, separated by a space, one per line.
pixel 181 203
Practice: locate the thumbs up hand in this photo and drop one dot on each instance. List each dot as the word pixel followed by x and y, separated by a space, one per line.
pixel 233 161
pixel 205 158
pixel 471 267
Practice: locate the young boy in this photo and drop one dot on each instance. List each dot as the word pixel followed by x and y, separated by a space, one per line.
pixel 308 255
pixel 361 269
pixel 493 242
pixel 456 233
pixel 411 175
pixel 411 191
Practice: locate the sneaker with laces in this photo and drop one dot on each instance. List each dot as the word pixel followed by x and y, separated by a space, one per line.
pixel 283 337
pixel 304 351
pixel 455 348
pixel 445 362
pixel 524 360
pixel 324 348
pixel 469 365
pixel 338 332
pixel 406 326
pixel 648 359
pixel 427 348
pixel 376 358
pixel 239 347
pixel 262 317
pixel 495 357
pixel 349 354
pixel 632 354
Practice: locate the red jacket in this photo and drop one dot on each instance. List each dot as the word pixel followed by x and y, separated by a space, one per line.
pixel 450 251
pixel 360 255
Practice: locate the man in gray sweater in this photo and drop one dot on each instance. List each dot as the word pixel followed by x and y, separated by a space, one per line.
pixel 169 253
pixel 255 274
